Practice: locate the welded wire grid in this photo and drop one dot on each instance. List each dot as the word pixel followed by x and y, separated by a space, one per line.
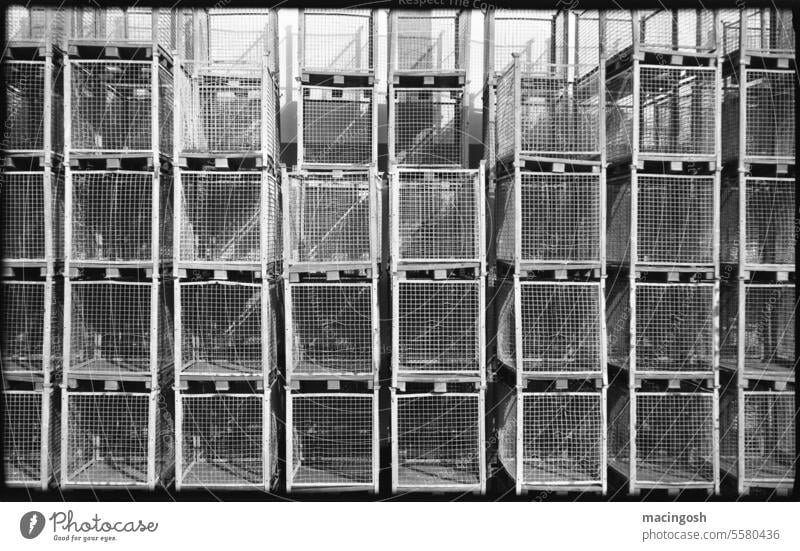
pixel 111 109
pixel 674 434
pixel 330 217
pixel 24 83
pixel 675 220
pixel 561 327
pixel 24 311
pixel 438 440
pixel 618 316
pixel 112 216
pixel 562 436
pixel 166 104
pixel 587 40
pixel 769 318
pixel 523 32
pixel 428 126
pixel 769 439
pixel 768 31
pixel 22 436
pixel 221 107
pixel 338 40
pixel 332 440
pixel 115 26
pixel 769 113
pixel 769 221
pixel 729 432
pixel 237 36
pixel 25 24
pixel 110 328
pixel 221 328
pixel 506 233
pixel 619 434
pixel 107 438
pixel 23 215
pixel 439 326
pixel 331 328
pixel 619 117
pixel 507 429
pixel 429 40
pixel 689 31
pixel 220 217
pixel 438 215
pixel 337 125
pixel 223 440
pixel 506 322
pixel 674 327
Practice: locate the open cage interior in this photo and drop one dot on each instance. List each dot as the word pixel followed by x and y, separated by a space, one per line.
pixel 333 441
pixel 34 24
pixel 618 320
pixel 337 125
pixel 24 129
pixel 619 433
pixel 229 36
pixel 23 431
pixel 769 437
pixel 24 310
pixel 25 215
pixel 431 41
pixel 428 126
pixel 506 323
pixel 767 31
pixel 523 32
pixel 338 40
pixel 769 114
pixel 662 30
pixel 124 26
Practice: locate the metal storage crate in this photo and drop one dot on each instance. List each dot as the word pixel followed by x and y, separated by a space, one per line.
pixel 229 36
pixel 30 441
pixel 31 336
pixel 331 330
pixel 438 216
pixel 116 330
pixel 559 332
pixel 227 220
pixel 332 220
pixel 337 126
pixel 527 33
pixel 37 25
pixel 225 329
pixel 664 221
pixel 34 106
pixel 427 127
pixel 769 31
pixel 112 439
pixel 33 217
pixel 117 106
pixel 332 441
pixel 550 220
pixel 438 442
pixel 678 113
pixel 676 32
pixel 337 41
pixel 118 218
pixel 438 329
pixel 429 42
pixel 125 27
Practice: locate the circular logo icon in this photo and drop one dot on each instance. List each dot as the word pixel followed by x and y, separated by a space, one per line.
pixel 31 524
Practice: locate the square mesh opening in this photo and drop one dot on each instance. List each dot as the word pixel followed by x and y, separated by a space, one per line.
pixel 769 451
pixel 428 126
pixel 337 125
pixel 22 436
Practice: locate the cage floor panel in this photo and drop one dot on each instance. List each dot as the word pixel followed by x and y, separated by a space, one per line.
pixel 773 472
pixel 333 472
pixel 222 367
pixel 18 363
pixel 111 471
pixel 223 473
pixel 665 472
pixel 22 469
pixel 556 470
pixel 438 474
pixel 103 366
pixel 755 368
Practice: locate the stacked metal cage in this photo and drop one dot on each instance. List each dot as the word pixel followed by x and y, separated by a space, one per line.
pixel 332 251
pixel 758 302
pixel 547 115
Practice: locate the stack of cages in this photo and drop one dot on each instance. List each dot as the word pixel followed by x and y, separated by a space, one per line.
pixel 32 245
pixel 227 250
pixel 438 260
pixel 118 87
pixel 550 261
pixel 758 250
pixel 331 249
pixel 663 130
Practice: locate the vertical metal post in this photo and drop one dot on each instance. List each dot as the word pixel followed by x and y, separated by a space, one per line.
pixel 391 141
pixel 288 331
pixel 154 332
pixel 519 396
pixel 632 447
pixel 67 337
pixel 481 202
pixel 44 443
pixel 301 41
pixel 374 219
pixel 287 219
pixel 178 437
pixel 152 475
pixel 375 441
pixel 395 317
pixel 482 438
pixel 177 349
pixel 266 436
pixel 395 437
pixel 604 438
pixel 715 437
pixel 482 328
pixel 289 437
pixel 518 348
pixel 376 330
pixel 740 439
pixel 601 102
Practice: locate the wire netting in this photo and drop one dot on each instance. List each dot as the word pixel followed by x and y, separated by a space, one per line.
pixel 770 113
pixel 22 436
pixel 429 41
pixel 118 26
pixel 337 125
pixel 23 216
pixel 429 126
pixel 769 438
pixel 338 40
pixel 523 32
pixel 768 31
pixel 31 24
pixel 769 318
pixel 24 311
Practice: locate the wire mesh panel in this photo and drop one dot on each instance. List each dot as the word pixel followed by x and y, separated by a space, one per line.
pixel 223 440
pixel 34 24
pixel 332 330
pixel 768 31
pixel 522 32
pixel 438 216
pixel 338 40
pixel 769 438
pixel 331 217
pixel 332 439
pixel 107 439
pixel 674 438
pixel 24 429
pixel 769 114
pixel 663 30
pixel 237 36
pixel 618 316
pixel 675 327
pixel 506 322
pixel 428 126
pixel 121 26
pixel 25 337
pixel 438 441
pixel 221 329
pixel 337 126
pixel 619 433
pixel 562 438
pixel 429 41
pixel 438 326
pixel 24 216
pixel 24 129
pixel 561 328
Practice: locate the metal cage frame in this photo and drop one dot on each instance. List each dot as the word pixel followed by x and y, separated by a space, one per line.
pixel 664 31
pixel 38 25
pixel 320 479
pixel 455 55
pixel 519 26
pixel 35 98
pixel 337 20
pixel 760 38
pixel 125 27
pixel 34 462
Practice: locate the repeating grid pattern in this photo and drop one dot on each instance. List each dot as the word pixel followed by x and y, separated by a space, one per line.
pixel 507 429
pixel 438 440
pixel 23 314
pixel 695 30
pixel 223 440
pixel 675 219
pixel 106 438
pixel 674 327
pixel 770 113
pixel 768 31
pixel 428 126
pixel 521 32
pixel 674 435
pixel 338 40
pixel 619 434
pixel 30 24
pixel 506 234
pixel 505 116
pixel 506 323
pixel 110 328
pixel 561 327
pixel 221 328
pixel 24 127
pixel 428 41
pixel 619 117
pixel 237 36
pixel 115 25
pixel 769 425
pixel 439 325
pixel 220 218
pixel 22 436
pixel 23 215
pixel 332 328
pixel 562 438
pixel 438 216
pixel 769 221
pixel 337 125
pixel 332 440
pixel 330 217
pixel 769 314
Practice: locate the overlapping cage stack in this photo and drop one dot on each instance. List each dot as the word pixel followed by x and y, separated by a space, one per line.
pixel 758 305
pixel 544 108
